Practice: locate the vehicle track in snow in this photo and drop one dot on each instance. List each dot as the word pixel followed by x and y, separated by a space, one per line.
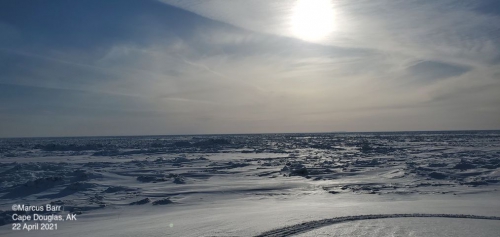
pixel 310 225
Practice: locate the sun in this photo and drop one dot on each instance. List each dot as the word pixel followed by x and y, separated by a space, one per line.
pixel 312 20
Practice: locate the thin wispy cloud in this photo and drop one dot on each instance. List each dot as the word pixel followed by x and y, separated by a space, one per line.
pixel 241 66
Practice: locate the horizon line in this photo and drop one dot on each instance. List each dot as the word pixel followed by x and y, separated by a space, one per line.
pixel 233 134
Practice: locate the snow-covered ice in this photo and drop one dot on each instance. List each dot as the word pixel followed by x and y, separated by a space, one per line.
pixel 248 185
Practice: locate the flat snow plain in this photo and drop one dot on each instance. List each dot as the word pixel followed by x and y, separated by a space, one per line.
pixel 341 184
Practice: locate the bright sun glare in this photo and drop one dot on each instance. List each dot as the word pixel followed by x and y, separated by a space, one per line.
pixel 312 20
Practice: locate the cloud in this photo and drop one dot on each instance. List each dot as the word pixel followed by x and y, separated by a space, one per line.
pixel 487 7
pixel 115 67
pixel 432 70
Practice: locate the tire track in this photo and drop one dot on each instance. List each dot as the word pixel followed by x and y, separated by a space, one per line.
pixel 310 225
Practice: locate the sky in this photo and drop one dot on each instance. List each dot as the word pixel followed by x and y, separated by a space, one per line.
pixel 159 67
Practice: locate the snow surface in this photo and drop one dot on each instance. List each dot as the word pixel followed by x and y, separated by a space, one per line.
pixel 428 227
pixel 248 185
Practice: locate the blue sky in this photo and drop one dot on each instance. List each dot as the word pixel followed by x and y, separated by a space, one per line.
pixel 130 67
